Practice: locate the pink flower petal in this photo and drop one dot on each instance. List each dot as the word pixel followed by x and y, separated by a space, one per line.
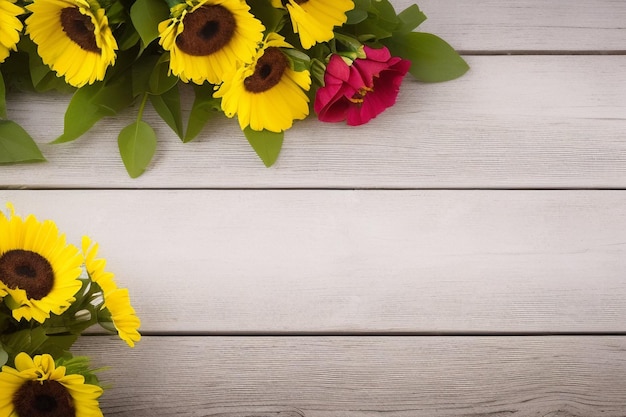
pixel 360 92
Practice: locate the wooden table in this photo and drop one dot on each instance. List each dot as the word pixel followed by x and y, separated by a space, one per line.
pixel 464 254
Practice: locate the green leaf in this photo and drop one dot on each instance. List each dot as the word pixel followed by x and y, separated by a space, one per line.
pixel 137 143
pixel 42 77
pixel 265 143
pixel 16 145
pixel 160 79
pixel 4 356
pixel 123 63
pixel 385 12
pixel 146 16
pixel 3 98
pixel 151 74
pixel 410 18
pixel 81 114
pixel 362 4
pixel 25 340
pixel 57 345
pixel 141 72
pixel 115 11
pixel 79 365
pixel 370 30
pixel 273 19
pixel 168 107
pixel 356 16
pixel 91 103
pixel 299 60
pixel 204 106
pixel 128 38
pixel 432 58
pixel 380 23
pixel 359 13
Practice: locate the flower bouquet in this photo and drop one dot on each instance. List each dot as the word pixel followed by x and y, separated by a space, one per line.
pixel 50 292
pixel 266 62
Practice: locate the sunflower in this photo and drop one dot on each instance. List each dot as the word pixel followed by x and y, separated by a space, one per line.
pixel 37 387
pixel 10 27
pixel 314 20
pixel 208 39
pixel 39 271
pixel 267 93
pixel 116 300
pixel 73 37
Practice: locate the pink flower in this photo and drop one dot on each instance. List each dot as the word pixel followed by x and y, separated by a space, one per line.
pixel 361 91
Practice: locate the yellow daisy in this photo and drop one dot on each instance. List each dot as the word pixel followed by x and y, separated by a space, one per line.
pixel 73 38
pixel 36 387
pixel 208 39
pixel 267 93
pixel 116 300
pixel 314 20
pixel 10 27
pixel 39 271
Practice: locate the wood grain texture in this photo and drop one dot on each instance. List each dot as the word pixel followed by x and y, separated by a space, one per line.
pixel 512 121
pixel 526 26
pixel 363 377
pixel 296 250
pixel 201 261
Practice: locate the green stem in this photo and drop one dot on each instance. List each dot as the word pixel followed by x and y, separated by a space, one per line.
pixel 142 106
pixel 3 101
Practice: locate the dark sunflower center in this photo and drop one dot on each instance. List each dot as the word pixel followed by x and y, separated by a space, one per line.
pixel 268 71
pixel 47 398
pixel 79 28
pixel 206 30
pixel 285 2
pixel 28 271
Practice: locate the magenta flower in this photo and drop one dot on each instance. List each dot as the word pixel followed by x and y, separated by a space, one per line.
pixel 361 91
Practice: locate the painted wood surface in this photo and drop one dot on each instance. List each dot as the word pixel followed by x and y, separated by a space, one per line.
pixel 238 261
pixel 529 26
pixel 511 122
pixel 461 255
pixel 364 376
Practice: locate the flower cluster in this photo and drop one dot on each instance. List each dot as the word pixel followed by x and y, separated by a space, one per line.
pixel 50 292
pixel 268 63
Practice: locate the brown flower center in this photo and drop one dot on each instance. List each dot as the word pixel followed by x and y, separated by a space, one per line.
pixel 206 30
pixel 268 71
pixel 47 398
pixel 28 271
pixel 79 28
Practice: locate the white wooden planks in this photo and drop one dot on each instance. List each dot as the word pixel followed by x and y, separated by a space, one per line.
pixel 527 26
pixel 363 376
pixel 257 260
pixel 512 121
pixel 357 261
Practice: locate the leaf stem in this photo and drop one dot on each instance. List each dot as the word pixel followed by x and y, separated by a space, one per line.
pixel 142 106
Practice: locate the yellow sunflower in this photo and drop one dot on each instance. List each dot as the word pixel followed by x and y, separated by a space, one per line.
pixel 73 38
pixel 267 93
pixel 208 39
pixel 116 300
pixel 39 271
pixel 36 387
pixel 314 20
pixel 10 27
